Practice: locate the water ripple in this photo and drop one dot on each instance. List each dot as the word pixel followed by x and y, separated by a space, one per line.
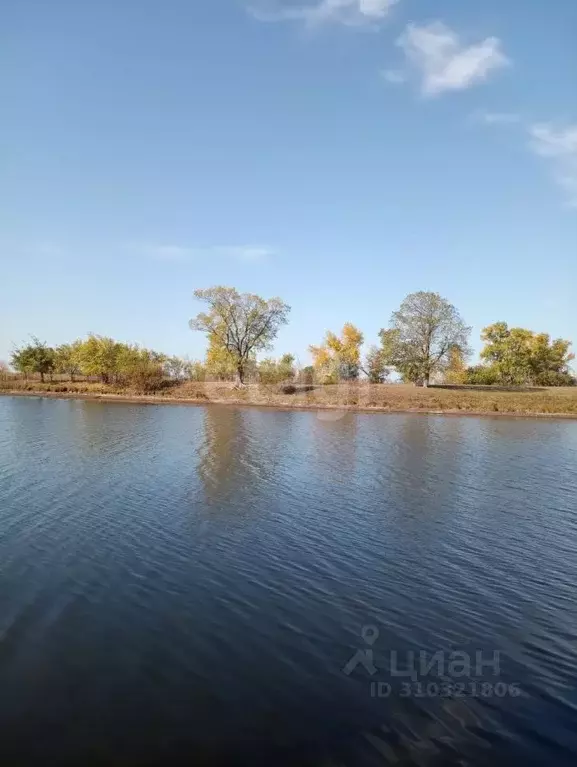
pixel 186 585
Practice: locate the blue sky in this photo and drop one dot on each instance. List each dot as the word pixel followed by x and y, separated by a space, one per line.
pixel 337 153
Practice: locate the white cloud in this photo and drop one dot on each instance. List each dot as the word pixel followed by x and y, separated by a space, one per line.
pixel 185 254
pixel 559 147
pixel 375 8
pixel 348 12
pixel 443 63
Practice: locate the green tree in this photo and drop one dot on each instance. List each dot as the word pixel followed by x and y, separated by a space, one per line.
pixel 376 365
pixel 508 352
pixel 268 371
pixel 36 357
pixel 271 371
pixel 422 334
pixel 307 375
pixel 66 359
pixel 242 323
pixel 550 361
pixel 286 366
pixel 99 356
pixel 142 369
pixel 519 356
pixel 482 375
pixel 21 361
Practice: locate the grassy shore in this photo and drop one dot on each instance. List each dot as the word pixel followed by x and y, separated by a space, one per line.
pixel 357 396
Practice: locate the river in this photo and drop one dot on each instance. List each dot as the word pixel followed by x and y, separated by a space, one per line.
pixel 217 585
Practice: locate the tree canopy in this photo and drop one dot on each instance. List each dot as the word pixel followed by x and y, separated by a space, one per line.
pixel 100 356
pixel 67 359
pixel 516 356
pixel 35 357
pixel 456 369
pixel 219 362
pixel 272 371
pixel 339 358
pixel 241 323
pixel 376 365
pixel 422 335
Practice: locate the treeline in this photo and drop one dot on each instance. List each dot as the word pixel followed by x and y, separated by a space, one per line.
pixel 426 341
pixel 105 359
pixel 129 365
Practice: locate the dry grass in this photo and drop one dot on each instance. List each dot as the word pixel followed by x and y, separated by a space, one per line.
pixel 17 386
pixel 359 396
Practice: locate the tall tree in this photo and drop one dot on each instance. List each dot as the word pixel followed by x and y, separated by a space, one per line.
pixel 339 357
pixel 242 323
pixel 423 333
pixel 36 357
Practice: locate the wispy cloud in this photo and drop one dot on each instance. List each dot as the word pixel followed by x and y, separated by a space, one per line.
pixel 48 249
pixel 174 253
pixel 185 254
pixel 244 252
pixel 495 118
pixel 559 147
pixel 35 250
pixel 394 76
pixel 435 53
pixel 348 12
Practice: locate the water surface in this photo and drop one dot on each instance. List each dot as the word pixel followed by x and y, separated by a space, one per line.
pixel 185 585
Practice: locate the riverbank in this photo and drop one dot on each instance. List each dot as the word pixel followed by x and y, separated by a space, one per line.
pixel 387 398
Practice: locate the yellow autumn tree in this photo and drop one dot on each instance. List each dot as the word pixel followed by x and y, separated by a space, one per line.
pixel 338 358
pixel 456 372
pixel 219 362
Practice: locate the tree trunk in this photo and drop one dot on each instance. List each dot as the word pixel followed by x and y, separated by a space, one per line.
pixel 42 377
pixel 239 374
